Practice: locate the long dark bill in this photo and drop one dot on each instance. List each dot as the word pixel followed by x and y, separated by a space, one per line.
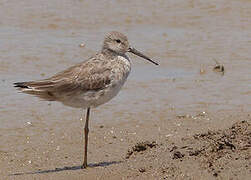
pixel 136 52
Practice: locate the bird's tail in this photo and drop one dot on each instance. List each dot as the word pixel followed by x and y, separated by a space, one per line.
pixel 37 88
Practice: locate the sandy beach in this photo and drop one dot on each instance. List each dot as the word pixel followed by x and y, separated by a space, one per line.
pixel 180 120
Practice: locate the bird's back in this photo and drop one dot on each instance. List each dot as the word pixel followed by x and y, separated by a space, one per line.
pixel 90 83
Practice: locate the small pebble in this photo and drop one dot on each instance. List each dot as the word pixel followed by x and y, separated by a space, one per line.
pixel 202 71
pixel 168 135
pixel 142 170
pixel 82 45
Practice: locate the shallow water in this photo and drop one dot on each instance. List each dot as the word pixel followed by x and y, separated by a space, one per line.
pixel 38 39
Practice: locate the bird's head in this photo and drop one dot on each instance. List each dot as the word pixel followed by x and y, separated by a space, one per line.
pixel 118 43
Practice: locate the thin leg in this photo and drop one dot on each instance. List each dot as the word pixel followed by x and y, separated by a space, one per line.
pixel 86 129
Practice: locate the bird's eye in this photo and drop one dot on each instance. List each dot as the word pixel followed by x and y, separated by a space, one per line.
pixel 118 41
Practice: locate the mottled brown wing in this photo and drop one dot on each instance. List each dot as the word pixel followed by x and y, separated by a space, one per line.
pixel 93 74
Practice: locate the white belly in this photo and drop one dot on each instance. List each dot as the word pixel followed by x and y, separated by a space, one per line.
pixel 100 97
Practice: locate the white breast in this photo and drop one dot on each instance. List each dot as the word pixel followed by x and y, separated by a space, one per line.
pixel 119 75
pixel 126 62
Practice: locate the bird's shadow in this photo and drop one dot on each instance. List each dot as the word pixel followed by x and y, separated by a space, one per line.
pixel 67 168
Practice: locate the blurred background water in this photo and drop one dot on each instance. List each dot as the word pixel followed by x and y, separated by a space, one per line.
pixel 40 38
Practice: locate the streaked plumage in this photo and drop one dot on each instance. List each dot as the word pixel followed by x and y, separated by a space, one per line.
pixel 89 83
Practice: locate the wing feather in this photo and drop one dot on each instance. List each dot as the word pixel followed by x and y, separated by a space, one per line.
pixel 93 74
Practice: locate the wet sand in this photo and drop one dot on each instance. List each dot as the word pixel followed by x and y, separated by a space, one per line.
pixel 183 106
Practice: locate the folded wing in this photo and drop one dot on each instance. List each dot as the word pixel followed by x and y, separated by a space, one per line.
pixel 91 75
